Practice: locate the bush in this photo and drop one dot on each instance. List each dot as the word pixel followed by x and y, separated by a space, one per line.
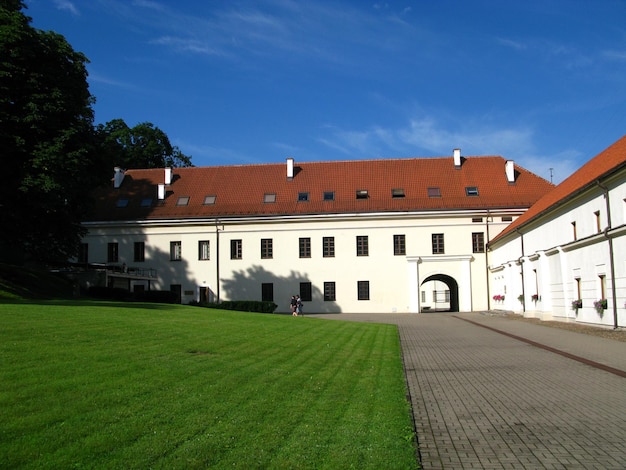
pixel 109 293
pixel 157 296
pixel 242 305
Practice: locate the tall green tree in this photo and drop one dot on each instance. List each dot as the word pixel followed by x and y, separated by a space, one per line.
pixel 47 141
pixel 142 146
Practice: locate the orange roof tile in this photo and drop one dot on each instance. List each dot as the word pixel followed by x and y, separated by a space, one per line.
pixel 602 164
pixel 240 189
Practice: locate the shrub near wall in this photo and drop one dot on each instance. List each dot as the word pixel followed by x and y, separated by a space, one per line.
pixel 244 306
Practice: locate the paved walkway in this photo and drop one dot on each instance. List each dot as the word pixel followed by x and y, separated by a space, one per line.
pixel 484 398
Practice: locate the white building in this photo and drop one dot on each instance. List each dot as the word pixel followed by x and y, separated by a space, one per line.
pixel 569 246
pixel 395 235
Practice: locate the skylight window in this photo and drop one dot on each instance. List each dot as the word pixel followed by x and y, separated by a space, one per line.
pixel 122 202
pixel 471 191
pixel 183 201
pixel 329 195
pixel 362 194
pixel 397 193
pixel 269 197
pixel 209 200
pixel 434 192
pixel 303 197
pixel 146 202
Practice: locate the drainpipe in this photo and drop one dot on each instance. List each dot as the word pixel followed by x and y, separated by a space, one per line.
pixel 521 263
pixel 217 259
pixel 611 253
pixel 487 262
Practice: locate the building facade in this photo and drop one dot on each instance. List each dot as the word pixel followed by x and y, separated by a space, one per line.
pixel 565 258
pixel 396 235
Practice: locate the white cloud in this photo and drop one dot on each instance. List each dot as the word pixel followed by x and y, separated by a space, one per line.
pixel 426 137
pixel 68 6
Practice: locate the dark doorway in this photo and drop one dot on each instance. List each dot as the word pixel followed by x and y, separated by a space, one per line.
pixel 453 287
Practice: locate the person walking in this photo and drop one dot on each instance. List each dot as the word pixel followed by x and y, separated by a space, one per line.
pixel 299 305
pixel 294 306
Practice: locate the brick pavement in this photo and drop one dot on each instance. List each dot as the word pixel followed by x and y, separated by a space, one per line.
pixel 482 399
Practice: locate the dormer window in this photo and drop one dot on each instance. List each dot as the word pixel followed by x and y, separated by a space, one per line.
pixel 303 197
pixel 183 201
pixel 329 196
pixel 269 197
pixel 362 194
pixel 434 192
pixel 209 200
pixel 397 193
pixel 471 191
pixel 122 202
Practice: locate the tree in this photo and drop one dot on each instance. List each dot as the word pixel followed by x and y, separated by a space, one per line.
pixel 143 146
pixel 49 158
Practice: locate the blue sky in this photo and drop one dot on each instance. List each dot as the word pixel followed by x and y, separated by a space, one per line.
pixel 541 82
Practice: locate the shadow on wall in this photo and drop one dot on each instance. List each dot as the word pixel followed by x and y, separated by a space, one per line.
pixel 248 285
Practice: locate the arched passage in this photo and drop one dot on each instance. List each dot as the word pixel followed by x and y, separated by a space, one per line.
pixel 453 289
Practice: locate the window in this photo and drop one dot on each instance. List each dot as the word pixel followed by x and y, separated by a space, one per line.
pixel 507 218
pixel 235 249
pixel 477 220
pixel 362 245
pixel 362 194
pixel 478 242
pixel 602 279
pixel 266 248
pixel 203 250
pixel 139 252
pixel 397 193
pixel 303 197
pixel 113 253
pixel 598 227
pixel 305 291
pixel 146 202
pixel 328 247
pixel 471 191
pixel 83 253
pixel 209 200
pixel 305 248
pixel 434 192
pixel 399 245
pixel 329 196
pixel 438 248
pixel 267 292
pixel 363 288
pixel 183 201
pixel 269 197
pixel 122 202
pixel 176 251
pixel 574 231
pixel 329 292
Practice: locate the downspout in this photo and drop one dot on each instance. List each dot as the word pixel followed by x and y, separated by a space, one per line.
pixel 611 252
pixel 217 259
pixel 521 263
pixel 487 262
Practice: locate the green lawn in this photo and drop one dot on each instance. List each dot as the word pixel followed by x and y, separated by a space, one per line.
pixel 105 385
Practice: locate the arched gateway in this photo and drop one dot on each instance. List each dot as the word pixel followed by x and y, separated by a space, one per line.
pixel 448 298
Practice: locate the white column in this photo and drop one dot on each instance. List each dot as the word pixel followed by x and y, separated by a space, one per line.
pixel 414 286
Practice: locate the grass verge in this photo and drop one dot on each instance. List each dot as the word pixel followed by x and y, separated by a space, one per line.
pixel 105 385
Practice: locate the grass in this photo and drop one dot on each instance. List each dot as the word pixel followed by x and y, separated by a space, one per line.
pixel 105 385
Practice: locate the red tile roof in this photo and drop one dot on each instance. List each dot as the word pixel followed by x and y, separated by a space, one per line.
pixel 602 164
pixel 240 189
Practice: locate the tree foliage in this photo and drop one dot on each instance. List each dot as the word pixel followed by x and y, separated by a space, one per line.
pixel 49 157
pixel 142 146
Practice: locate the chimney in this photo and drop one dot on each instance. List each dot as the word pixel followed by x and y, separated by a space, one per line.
pixel 168 176
pixel 457 158
pixel 509 168
pixel 161 192
pixel 118 177
pixel 290 168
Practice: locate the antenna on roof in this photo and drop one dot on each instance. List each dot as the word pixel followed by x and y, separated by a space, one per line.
pixel 551 170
